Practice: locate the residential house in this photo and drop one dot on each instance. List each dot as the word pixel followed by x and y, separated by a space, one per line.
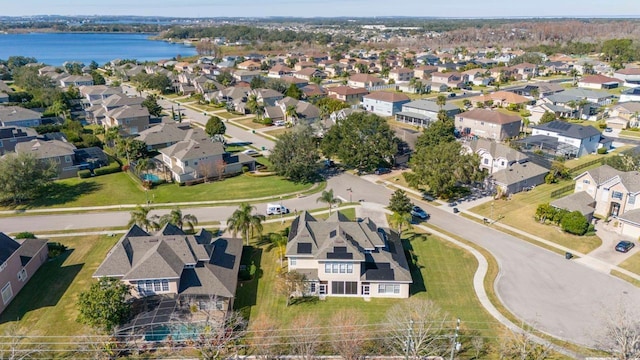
pixel 578 139
pixel 303 65
pixel 556 67
pixel 92 94
pixel 520 176
pixel 304 112
pixel 424 112
pixel 614 193
pixel 300 83
pixel 98 112
pixel 345 258
pixel 175 263
pixel 266 97
pixel 76 80
pixel 279 71
pixel 401 74
pixel 450 79
pixel 629 75
pixel 342 114
pixel 488 124
pixel 313 90
pixel 130 118
pixel 540 89
pixel 599 82
pixel 251 65
pixel 246 75
pixel 494 156
pixel 365 81
pixel 560 111
pixel 384 103
pixel 347 94
pixel 626 110
pixel 12 135
pixel 601 98
pixel 19 116
pixel 526 70
pixel 197 157
pixel 55 151
pixel 632 94
pixel 309 73
pixel 19 261
pixel 422 71
pixel 501 99
pixel 578 201
pixel 166 134
pixel 232 94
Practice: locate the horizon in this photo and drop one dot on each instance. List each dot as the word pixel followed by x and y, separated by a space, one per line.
pixel 463 9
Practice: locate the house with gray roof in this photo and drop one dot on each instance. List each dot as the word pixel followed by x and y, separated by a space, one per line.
pixel 172 262
pixel 519 176
pixel 580 201
pixel 340 257
pixel 76 80
pixel 130 118
pixel 424 112
pixel 19 116
pixel 615 194
pixel 58 152
pixel 94 93
pixel 12 135
pixel 584 139
pixel 4 97
pixel 494 156
pixel 19 261
pixel 599 97
pixel 166 134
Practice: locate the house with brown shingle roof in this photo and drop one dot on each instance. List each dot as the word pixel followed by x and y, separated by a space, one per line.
pixel 500 98
pixel 251 65
pixel 401 74
pixel 488 124
pixel 384 103
pixel 279 70
pixel 309 73
pixel 347 94
pixel 364 81
pixel 599 82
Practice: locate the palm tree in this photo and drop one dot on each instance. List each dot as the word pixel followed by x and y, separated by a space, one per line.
pixel 252 104
pixel 581 104
pixel 328 198
pixel 291 113
pixel 278 242
pixel 441 101
pixel 400 220
pixel 140 217
pixel 176 218
pixel 144 165
pixel 242 220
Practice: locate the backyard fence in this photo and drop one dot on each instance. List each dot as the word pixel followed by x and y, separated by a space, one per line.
pixel 599 161
pixel 558 192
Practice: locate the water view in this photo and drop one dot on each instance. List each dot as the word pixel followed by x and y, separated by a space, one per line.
pixel 56 48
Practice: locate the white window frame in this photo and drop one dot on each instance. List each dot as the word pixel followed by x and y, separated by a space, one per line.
pixel 6 299
pixel 22 274
pixel 293 262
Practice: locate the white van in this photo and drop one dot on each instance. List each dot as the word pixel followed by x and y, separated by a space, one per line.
pixel 276 209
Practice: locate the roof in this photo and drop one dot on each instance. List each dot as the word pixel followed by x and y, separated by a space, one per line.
pixel 401 71
pixel 518 172
pixel 490 116
pixel 280 68
pixel 629 71
pixel 631 107
pixel 606 173
pixel 575 131
pixel 128 111
pixel 365 78
pixel 580 201
pixel 502 96
pixel 43 149
pixel 99 90
pixel 9 114
pixel 26 249
pixel 307 71
pixel 139 255
pixel 118 100
pixel 599 79
pixel 193 149
pixel 347 90
pixel 387 96
pixel 166 133
pixel 496 149
pixel 337 238
pixel 14 132
pixel 428 105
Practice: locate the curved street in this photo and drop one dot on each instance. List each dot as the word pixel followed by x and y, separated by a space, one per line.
pixel 563 298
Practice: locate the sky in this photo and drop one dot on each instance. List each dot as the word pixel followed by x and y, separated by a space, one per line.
pixel 326 8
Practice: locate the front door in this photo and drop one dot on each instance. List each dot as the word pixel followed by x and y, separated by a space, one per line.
pixel 323 289
pixel 365 290
pixel 615 209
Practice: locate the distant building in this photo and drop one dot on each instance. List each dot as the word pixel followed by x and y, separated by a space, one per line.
pixel 384 103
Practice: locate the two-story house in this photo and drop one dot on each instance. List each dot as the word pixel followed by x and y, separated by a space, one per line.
pixel 266 97
pixel 130 118
pixel 19 116
pixel 449 79
pixel 494 156
pixel 584 139
pixel 58 152
pixel 488 124
pixel 279 70
pixel 76 80
pixel 347 94
pixel 384 103
pixel 173 262
pixel 345 258
pixel 95 93
pixel 19 261
pixel 424 112
pixel 401 74
pixel 364 81
pixel 309 73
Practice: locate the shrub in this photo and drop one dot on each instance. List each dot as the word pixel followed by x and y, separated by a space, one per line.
pixel 267 121
pixel 574 223
pixel 55 249
pixel 25 235
pixel 114 167
pixel 602 151
pixel 83 174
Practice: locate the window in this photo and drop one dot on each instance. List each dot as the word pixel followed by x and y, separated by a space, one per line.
pixel 3 266
pixel 22 275
pixel 389 289
pixel 312 288
pixel 293 262
pixel 631 199
pixel 616 195
pixel 585 181
pixel 486 161
pixel 157 285
pixel 343 268
pixel 165 285
pixel 7 293
pixel 327 268
pixel 67 158
pixel 344 287
pixel 338 268
pixel 335 268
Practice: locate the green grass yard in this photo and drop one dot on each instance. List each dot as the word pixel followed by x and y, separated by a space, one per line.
pixel 119 188
pixel 632 264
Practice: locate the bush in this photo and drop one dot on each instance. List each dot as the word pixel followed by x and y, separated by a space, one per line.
pixel 602 150
pixel 574 223
pixel 267 121
pixel 55 249
pixel 83 174
pixel 114 167
pixel 25 235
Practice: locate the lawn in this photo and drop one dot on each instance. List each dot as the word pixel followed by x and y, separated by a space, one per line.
pixel 250 124
pixel 438 263
pixel 632 264
pixel 119 188
pixel 519 212
pixel 629 133
pixel 277 131
pixel 47 304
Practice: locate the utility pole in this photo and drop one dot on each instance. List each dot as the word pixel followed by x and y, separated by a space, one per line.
pixel 409 343
pixel 455 339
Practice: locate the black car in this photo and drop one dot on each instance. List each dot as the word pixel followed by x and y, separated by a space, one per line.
pixel 624 246
pixel 455 210
pixel 419 213
pixel 380 171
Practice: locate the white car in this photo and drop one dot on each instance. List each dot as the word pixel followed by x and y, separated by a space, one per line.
pixel 251 152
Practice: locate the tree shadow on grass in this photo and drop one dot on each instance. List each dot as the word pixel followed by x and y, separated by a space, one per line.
pixel 44 289
pixel 247 291
pixel 61 193
pixel 418 284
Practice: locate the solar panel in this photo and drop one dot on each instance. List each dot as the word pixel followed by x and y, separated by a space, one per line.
pixel 304 248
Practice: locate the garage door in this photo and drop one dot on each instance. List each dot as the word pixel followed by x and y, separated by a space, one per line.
pixel 630 230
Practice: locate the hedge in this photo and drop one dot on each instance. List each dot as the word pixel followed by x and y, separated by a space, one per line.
pixel 114 167
pixel 83 174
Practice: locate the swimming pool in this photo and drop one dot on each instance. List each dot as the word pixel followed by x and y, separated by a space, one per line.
pixel 151 177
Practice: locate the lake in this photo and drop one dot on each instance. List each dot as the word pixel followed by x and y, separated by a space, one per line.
pixel 56 48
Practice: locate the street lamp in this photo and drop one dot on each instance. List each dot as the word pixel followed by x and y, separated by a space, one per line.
pixel 350 192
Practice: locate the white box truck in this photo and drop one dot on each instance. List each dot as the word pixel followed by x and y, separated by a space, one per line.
pixel 276 209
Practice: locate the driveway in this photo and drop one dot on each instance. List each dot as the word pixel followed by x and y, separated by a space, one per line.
pixel 606 252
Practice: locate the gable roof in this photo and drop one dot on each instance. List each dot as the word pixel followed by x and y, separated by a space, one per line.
pixel 128 111
pixel 428 105
pixel 365 78
pixel 193 149
pixel 605 173
pixel 497 150
pixel 387 96
pixel 518 172
pixel 9 114
pixel 43 149
pixel 490 116
pixel 165 133
pixel 599 79
pixel 575 131
pixel 344 90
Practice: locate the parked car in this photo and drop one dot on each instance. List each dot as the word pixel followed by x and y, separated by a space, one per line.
pixel 276 209
pixel 455 210
pixel 428 197
pixel 279 123
pixel 381 171
pixel 452 204
pixel 419 213
pixel 608 129
pixel 624 246
pixel 251 152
